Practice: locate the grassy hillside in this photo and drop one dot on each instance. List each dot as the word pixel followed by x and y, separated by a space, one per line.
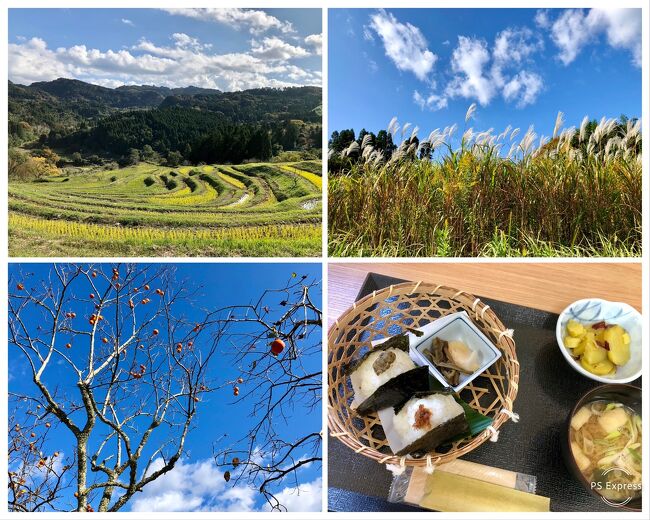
pixel 149 210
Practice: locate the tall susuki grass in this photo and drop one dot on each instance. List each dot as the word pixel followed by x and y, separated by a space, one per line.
pixel 569 195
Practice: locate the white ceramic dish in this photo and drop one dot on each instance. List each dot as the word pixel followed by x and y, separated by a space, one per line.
pixel 455 326
pixel 459 327
pixel 593 310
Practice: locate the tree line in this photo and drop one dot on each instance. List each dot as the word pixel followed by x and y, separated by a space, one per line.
pixel 383 142
pixel 180 134
pixel 341 140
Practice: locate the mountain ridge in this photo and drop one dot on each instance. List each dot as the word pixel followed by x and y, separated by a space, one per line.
pixel 76 116
pixel 124 96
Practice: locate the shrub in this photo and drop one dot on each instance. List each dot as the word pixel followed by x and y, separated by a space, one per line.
pixel 149 181
pixel 293 156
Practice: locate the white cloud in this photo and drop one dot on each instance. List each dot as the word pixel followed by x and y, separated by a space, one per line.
pixel 308 497
pixel 255 21
pixel 239 499
pixel 316 42
pixel 186 61
pixel 575 28
pixel 482 73
pixel 467 62
pixel 192 487
pixel 257 456
pixel 184 41
pixel 32 61
pixel 622 27
pixel 199 486
pixel 542 18
pixel 301 75
pixel 37 473
pixel 126 21
pixel 404 44
pixel 570 34
pixel 513 46
pixel 523 88
pixel 431 102
pixel 274 48
pixel 79 56
pixel 367 34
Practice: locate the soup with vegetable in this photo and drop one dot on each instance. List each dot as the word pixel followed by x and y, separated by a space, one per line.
pixel 606 445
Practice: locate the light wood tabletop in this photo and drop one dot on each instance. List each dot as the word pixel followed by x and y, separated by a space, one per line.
pixel 546 286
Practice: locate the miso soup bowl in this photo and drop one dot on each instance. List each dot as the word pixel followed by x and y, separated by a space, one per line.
pixel 593 310
pixel 627 395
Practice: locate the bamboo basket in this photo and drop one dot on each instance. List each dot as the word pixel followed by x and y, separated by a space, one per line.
pixel 385 313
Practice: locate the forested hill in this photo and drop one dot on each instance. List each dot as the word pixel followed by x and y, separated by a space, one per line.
pixel 256 105
pixel 74 116
pixel 57 105
pixel 63 106
pixel 127 96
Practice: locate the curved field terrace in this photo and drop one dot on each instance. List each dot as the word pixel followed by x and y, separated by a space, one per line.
pixel 257 209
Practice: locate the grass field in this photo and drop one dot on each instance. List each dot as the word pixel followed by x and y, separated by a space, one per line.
pixel 572 195
pixel 147 210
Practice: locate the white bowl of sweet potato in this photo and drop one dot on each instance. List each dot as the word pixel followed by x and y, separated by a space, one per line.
pixel 601 339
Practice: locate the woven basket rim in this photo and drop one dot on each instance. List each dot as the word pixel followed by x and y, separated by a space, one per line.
pixel 505 343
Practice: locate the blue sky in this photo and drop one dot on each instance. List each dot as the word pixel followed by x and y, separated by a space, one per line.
pixel 229 49
pixel 520 66
pixel 197 483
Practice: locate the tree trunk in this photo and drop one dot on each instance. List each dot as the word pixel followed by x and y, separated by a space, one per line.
pixel 82 468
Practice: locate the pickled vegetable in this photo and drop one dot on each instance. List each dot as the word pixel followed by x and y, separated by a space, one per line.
pixel 571 342
pixel 575 329
pixel 602 368
pixel 599 347
pixel 593 353
pixel 619 351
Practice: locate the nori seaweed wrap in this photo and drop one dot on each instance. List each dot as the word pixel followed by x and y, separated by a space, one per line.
pixel 426 420
pixel 385 376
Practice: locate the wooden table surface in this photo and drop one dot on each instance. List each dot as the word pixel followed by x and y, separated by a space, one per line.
pixel 546 286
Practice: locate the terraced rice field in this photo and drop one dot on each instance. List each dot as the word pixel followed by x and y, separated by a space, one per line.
pixel 259 209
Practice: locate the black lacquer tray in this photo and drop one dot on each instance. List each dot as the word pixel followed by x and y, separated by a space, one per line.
pixel 548 390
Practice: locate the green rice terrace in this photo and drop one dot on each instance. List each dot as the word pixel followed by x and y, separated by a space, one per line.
pixel 257 209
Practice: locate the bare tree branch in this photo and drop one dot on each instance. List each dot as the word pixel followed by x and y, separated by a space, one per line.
pixel 131 379
pixel 278 389
pixel 136 371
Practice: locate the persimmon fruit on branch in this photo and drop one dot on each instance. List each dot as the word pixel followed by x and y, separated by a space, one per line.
pixel 104 374
pixel 276 343
pixel 120 374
